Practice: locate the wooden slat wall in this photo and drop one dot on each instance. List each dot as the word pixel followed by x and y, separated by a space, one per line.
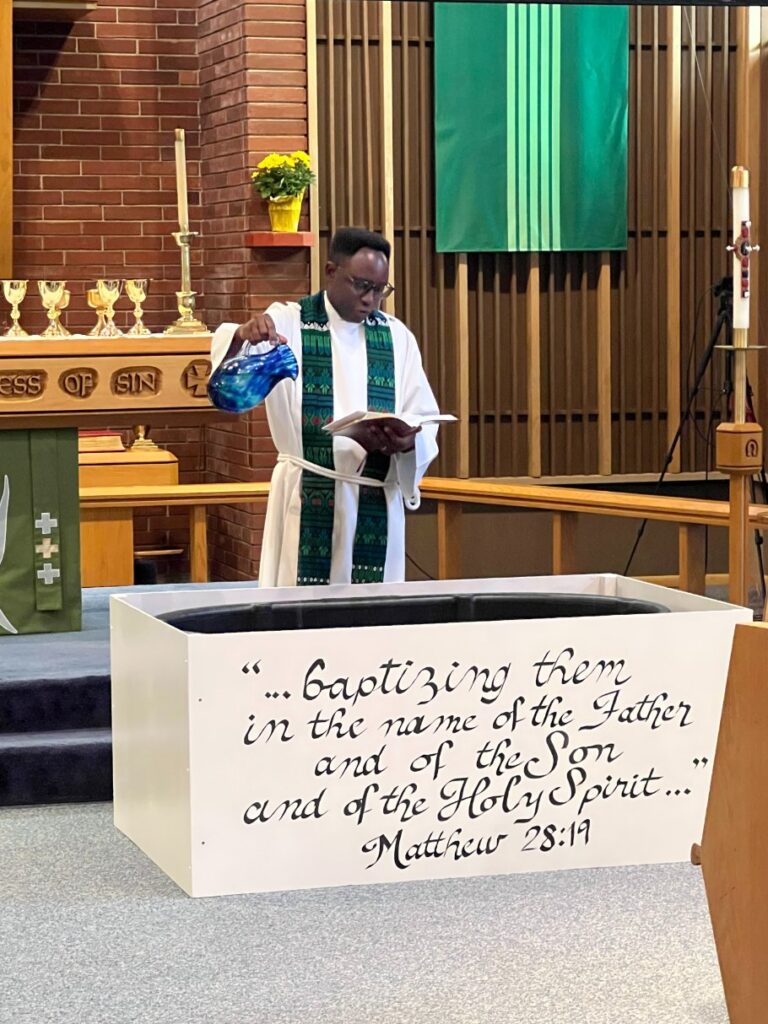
pixel 431 296
pixel 560 364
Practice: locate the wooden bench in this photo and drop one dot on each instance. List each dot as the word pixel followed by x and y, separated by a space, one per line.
pixel 691 515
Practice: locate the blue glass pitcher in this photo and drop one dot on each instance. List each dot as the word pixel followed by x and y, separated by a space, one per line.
pixel 241 383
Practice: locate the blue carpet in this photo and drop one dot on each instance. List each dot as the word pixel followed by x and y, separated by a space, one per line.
pixel 70 655
pixel 55 708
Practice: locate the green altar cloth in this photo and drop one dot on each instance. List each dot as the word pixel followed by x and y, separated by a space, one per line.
pixel 39 532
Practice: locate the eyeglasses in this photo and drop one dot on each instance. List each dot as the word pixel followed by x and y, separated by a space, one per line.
pixel 362 287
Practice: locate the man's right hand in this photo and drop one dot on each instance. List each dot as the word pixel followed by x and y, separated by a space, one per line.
pixel 260 328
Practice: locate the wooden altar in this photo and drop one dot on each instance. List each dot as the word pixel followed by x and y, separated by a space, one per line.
pixel 80 381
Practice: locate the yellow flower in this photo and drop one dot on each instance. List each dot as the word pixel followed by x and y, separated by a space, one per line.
pixel 300 155
pixel 273 160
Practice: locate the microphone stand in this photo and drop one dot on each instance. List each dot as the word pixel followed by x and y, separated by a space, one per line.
pixel 723 322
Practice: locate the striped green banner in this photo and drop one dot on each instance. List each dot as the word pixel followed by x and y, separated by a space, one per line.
pixel 531 127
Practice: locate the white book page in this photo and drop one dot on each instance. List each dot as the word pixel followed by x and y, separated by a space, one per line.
pixel 408 419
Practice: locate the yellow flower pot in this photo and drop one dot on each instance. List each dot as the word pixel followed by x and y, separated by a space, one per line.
pixel 284 213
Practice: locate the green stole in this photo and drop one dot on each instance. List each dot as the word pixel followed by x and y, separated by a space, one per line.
pixel 317 492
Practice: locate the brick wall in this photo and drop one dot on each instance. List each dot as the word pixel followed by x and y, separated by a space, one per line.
pixel 96 105
pixel 252 101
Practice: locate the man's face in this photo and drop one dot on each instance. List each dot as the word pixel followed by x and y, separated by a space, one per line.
pixel 357 285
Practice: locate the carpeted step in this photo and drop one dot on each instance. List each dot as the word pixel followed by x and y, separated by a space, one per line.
pixel 38 705
pixel 62 766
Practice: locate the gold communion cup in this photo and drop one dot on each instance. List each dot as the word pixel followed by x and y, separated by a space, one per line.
pixel 55 298
pixel 14 292
pixel 109 292
pixel 136 291
pixel 96 303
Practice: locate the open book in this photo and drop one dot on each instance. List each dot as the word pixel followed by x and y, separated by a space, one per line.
pixel 402 423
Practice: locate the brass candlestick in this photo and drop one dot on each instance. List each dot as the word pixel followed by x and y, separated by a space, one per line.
pixel 187 322
pixel 137 293
pixel 14 292
pixel 142 439
pixel 55 299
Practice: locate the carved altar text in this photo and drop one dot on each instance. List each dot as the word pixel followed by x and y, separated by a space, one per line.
pixel 79 382
pixel 15 384
pixel 137 380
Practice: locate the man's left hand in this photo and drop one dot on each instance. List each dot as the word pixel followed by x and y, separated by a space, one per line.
pixel 384 437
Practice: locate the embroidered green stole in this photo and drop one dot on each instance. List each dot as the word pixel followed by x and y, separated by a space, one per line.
pixel 317 492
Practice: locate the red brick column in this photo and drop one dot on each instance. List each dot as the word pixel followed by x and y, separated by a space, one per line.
pixel 253 101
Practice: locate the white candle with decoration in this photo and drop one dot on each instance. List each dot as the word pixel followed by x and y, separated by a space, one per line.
pixel 742 249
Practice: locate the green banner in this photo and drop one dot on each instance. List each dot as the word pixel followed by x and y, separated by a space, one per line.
pixel 39 532
pixel 531 127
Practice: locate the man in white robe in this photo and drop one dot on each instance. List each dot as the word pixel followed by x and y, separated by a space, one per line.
pixel 356 283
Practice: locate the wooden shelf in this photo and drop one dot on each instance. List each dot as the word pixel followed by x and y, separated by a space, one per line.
pixel 51 10
pixel 279 239
pixel 157 552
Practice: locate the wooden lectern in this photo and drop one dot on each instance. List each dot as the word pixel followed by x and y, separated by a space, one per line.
pixel 733 849
pixel 106 535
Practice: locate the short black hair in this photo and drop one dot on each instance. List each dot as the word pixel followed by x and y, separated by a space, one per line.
pixel 347 241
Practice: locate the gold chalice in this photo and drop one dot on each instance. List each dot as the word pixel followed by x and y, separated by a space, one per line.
pixel 96 303
pixel 55 298
pixel 109 293
pixel 137 293
pixel 14 292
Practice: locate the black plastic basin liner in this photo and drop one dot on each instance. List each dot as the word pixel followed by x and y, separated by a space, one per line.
pixel 401 611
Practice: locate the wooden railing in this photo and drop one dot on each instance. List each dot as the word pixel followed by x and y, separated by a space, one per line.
pixel 691 515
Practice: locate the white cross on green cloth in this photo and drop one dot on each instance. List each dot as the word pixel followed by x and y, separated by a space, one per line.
pixel 46 523
pixel 48 574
